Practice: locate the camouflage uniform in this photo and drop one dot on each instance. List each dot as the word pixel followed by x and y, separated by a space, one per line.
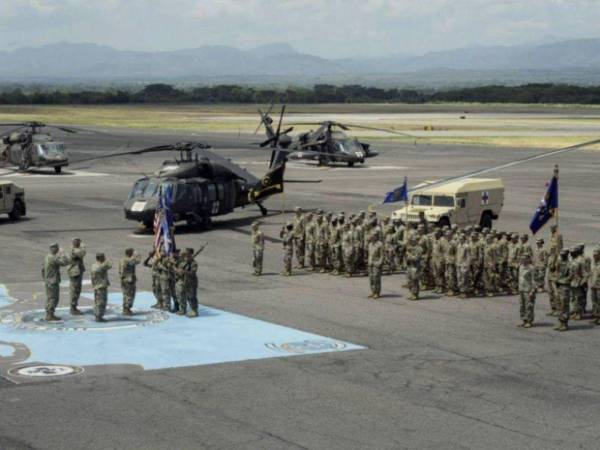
pixel 502 271
pixel 490 255
pixel 127 266
pixel 288 249
pixel 450 261
pixel 75 271
pixel 414 261
pixel 577 272
pixel 400 232
pixel 348 249
pixel 309 240
pixel 51 276
pixel 438 263
pixel 595 287
pixel 152 262
pixel 541 265
pixel 476 263
pixel 299 236
pixel 587 271
pixel 320 245
pixel 463 266
pixel 375 264
pixel 188 269
pixel 563 283
pixel 335 246
pixel 527 290
pixel 513 265
pixel 258 249
pixel 165 274
pixel 390 249
pixel 100 284
pixel 424 243
pixel 552 270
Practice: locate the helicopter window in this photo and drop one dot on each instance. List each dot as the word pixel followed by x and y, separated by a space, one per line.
pixel 220 191
pixel 421 200
pixel 52 149
pixel 443 200
pixel 212 193
pixel 349 145
pixel 151 190
pixel 138 188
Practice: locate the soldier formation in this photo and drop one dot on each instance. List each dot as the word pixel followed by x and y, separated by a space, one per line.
pixel 174 279
pixel 456 262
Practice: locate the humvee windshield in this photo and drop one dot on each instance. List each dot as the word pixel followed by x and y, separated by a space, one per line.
pixel 443 200
pixel 421 200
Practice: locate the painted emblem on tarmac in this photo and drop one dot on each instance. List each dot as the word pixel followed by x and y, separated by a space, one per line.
pixel 46 371
pixel 34 320
pixel 308 346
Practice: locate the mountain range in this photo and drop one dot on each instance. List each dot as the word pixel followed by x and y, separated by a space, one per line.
pixel 575 61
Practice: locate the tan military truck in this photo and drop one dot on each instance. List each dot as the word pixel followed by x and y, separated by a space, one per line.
pixel 12 200
pixel 469 201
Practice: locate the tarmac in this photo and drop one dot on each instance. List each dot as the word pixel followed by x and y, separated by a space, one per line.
pixel 288 362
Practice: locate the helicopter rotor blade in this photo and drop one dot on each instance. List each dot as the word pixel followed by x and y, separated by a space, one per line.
pixel 158 148
pixel 262 119
pixel 384 130
pixel 277 134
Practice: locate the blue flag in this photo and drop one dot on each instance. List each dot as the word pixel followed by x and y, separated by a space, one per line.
pixel 548 206
pixel 398 194
pixel 163 220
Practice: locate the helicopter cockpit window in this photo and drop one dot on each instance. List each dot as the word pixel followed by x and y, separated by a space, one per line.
pixel 221 191
pixel 138 189
pixel 349 146
pixel 421 200
pixel 212 193
pixel 51 149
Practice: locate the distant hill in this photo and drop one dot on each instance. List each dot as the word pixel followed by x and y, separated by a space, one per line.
pixel 575 61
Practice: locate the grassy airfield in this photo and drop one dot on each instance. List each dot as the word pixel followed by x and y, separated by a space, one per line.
pixel 501 125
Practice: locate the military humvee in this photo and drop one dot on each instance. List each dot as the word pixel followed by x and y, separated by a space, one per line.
pixel 12 200
pixel 469 201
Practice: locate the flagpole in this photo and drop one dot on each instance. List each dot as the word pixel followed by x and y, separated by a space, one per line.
pixel 557 187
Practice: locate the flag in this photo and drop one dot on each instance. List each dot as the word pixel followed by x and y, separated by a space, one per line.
pixel 398 194
pixel 548 206
pixel 163 220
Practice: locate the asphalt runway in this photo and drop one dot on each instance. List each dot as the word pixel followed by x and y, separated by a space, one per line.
pixel 387 374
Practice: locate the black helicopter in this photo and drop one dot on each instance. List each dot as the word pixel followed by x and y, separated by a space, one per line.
pixel 204 185
pixel 327 144
pixel 26 146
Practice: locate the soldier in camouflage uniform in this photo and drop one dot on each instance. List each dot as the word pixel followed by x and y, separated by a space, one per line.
pixel 309 239
pixel 587 271
pixel 595 287
pixel 375 265
pixel 335 247
pixel 490 256
pixel 527 291
pixel 556 241
pixel 450 262
pixel 319 238
pixel 424 243
pixel 400 233
pixel 152 262
pixel 51 276
pixel 326 236
pixel 299 236
pixel 463 266
pixel 258 249
pixel 189 270
pixel 577 272
pixel 552 270
pixel 513 264
pixel 165 275
pixel 173 260
pixel 348 249
pixel 127 266
pixel 414 261
pixel 100 284
pixel 563 283
pixel 541 265
pixel 75 271
pixel 476 263
pixel 287 237
pixel 438 263
pixel 357 238
pixel 390 248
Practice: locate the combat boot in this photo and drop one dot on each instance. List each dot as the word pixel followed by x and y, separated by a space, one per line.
pixel 192 313
pixel 75 312
pixel 522 324
pixel 101 319
pixel 127 312
pixel 562 327
pixel 370 295
pixel 376 296
pixel 413 297
pixel 597 321
pixel 181 312
pixel 156 306
pixel 577 316
pixel 527 325
pixel 52 318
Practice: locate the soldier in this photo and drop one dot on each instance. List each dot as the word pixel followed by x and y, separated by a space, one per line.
pixel 127 266
pixel 319 238
pixel 556 241
pixel 463 265
pixel 541 265
pixel 563 282
pixel 424 243
pixel 595 287
pixel 51 276
pixel 423 221
pixel 375 264
pixel 75 272
pixel 438 252
pixel 334 243
pixel 348 249
pixel 258 249
pixel 414 260
pixel 188 269
pixel 309 241
pixel 165 274
pixel 450 262
pixel 552 270
pixel 326 235
pixel 100 284
pixel 527 290
pixel 173 261
pixel 587 271
pixel 299 236
pixel 513 264
pixel 390 249
pixel 476 263
pixel 490 255
pixel 400 232
pixel 577 273
pixel 357 238
pixel 152 262
pixel 525 248
pixel 287 237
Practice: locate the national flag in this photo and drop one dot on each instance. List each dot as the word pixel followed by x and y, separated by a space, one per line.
pixel 398 194
pixel 163 220
pixel 548 207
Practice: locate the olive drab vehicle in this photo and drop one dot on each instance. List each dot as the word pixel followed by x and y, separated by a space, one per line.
pixel 12 200
pixel 27 147
pixel 204 185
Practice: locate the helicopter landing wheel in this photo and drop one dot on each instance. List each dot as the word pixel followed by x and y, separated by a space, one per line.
pixel 350 163
pixel 58 170
pixel 207 223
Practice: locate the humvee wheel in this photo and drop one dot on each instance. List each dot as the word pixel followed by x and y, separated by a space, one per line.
pixel 444 222
pixel 58 170
pixel 17 211
pixel 486 220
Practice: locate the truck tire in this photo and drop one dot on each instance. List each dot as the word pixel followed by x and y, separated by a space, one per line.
pixel 486 220
pixel 17 211
pixel 444 222
pixel 57 170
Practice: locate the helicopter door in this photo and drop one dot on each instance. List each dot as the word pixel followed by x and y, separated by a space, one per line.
pixel 2 198
pixel 213 202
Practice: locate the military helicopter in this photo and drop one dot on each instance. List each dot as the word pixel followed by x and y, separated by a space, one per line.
pixel 204 184
pixel 27 146
pixel 327 144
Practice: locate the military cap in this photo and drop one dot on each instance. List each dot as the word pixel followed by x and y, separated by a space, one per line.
pixel 540 241
pixel 329 214
pixel 289 224
pixel 255 224
pixel 320 211
pixel 54 245
pixel 421 226
pixel 362 213
pixel 580 246
pixel 454 226
pixel 485 230
pixel 597 251
pixel 477 227
pixel 76 239
pixel 564 251
pixel 524 236
pixel 448 232
pixel 297 209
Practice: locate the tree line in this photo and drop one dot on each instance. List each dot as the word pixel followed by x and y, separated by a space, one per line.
pixel 320 93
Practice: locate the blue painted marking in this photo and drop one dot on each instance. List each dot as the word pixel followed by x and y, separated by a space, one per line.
pixel 6 351
pixel 216 336
pixel 5 298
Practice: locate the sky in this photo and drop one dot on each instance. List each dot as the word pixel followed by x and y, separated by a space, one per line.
pixel 328 28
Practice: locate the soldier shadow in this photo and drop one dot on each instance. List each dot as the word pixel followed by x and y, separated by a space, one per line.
pixel 9 220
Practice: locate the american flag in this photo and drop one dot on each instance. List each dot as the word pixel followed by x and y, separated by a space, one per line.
pixel 163 220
